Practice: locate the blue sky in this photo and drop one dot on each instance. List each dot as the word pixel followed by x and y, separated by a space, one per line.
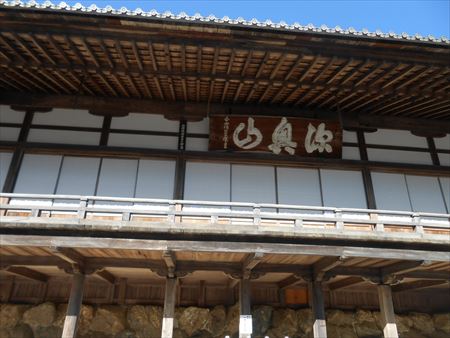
pixel 423 17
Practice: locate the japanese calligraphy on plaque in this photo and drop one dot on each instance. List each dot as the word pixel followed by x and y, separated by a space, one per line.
pixel 276 135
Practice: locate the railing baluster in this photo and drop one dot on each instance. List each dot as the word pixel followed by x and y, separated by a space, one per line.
pixel 35 212
pixel 417 226
pixel 298 223
pixel 171 213
pixel 4 200
pixel 339 222
pixel 379 226
pixel 82 208
pixel 256 215
pixel 126 216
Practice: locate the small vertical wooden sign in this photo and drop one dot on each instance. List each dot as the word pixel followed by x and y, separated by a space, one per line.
pixel 277 135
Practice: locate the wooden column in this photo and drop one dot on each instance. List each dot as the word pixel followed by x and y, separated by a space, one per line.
pixel 387 311
pixel 169 307
pixel 73 309
pixel 245 309
pixel 318 307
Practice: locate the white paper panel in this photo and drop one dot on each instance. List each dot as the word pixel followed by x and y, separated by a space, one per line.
pixel 38 174
pixel 445 184
pixel 9 134
pixel 399 156
pixel 253 184
pixel 5 160
pixel 155 179
pixel 391 192
pixel 68 117
pixel 7 115
pixel 143 141
pixel 425 194
pixel 63 137
pixel 136 121
pixel 197 144
pixel 207 181
pixel 343 189
pixel 395 138
pixel 349 136
pixel 350 153
pixel 78 176
pixel 201 127
pixel 444 159
pixel 298 186
pixel 117 178
pixel 443 142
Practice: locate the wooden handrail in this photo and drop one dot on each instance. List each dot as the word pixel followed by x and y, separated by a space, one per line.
pixel 175 210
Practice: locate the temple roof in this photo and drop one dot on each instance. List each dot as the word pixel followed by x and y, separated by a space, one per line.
pixel 61 55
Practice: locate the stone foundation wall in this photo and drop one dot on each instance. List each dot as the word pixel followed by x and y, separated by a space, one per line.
pixel 46 321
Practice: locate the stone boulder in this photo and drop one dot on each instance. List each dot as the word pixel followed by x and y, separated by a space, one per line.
pixel 442 322
pixel 341 331
pixel 232 321
pixel 109 320
pixel 366 324
pixel 42 315
pixel 262 318
pixel 422 322
pixel 218 319
pixel 305 321
pixel 145 320
pixel 284 323
pixel 11 315
pixel 404 324
pixel 339 318
pixel 48 332
pixel 21 331
pixel 193 320
pixel 86 316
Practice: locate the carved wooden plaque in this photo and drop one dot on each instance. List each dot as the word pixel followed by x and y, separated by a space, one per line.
pixel 276 135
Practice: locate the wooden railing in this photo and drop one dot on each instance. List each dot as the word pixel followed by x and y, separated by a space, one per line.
pixel 233 213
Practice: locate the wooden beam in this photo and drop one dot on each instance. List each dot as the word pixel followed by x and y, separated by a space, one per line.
pixel 69 255
pixel 345 282
pixel 323 265
pixel 169 259
pixel 195 111
pixel 74 307
pixel 27 273
pixel 106 276
pixel 387 311
pixel 318 308
pixel 241 247
pixel 245 314
pixel 169 308
pixel 418 284
pixel 288 282
pixel 252 260
pixel 401 267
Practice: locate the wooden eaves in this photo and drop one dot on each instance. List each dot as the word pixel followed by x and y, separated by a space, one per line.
pixel 222 68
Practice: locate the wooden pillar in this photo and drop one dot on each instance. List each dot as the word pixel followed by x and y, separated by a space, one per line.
pixel 245 309
pixel 73 309
pixel 387 311
pixel 169 308
pixel 318 308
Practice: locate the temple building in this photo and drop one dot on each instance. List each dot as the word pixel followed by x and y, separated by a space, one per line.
pixel 184 176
